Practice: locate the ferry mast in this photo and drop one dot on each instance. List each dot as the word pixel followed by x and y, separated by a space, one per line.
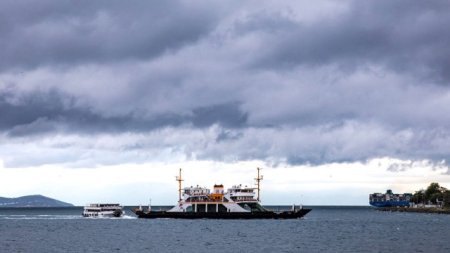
pixel 258 180
pixel 179 179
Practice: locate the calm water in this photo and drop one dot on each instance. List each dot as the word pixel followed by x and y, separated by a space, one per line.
pixel 325 229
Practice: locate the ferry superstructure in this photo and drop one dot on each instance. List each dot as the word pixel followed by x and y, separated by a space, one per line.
pixel 103 210
pixel 238 202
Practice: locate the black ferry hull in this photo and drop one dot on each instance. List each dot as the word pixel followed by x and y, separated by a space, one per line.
pixel 234 215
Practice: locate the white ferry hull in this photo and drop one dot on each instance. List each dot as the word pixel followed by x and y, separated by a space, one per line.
pixel 103 214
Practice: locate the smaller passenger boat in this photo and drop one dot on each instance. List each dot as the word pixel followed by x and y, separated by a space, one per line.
pixel 103 210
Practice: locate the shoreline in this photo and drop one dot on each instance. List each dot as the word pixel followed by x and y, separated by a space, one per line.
pixel 434 210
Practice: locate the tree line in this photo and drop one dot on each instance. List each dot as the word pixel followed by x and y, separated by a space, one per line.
pixel 434 194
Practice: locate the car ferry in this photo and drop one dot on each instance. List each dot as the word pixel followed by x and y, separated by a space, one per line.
pixel 238 202
pixel 103 210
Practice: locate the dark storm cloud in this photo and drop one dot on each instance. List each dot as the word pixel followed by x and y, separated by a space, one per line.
pixel 228 135
pixel 75 32
pixel 407 36
pixel 227 115
pixel 43 112
pixel 290 81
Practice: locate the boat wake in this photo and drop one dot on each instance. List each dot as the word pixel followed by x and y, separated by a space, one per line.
pixel 39 217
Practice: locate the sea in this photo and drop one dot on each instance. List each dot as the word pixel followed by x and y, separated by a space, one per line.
pixel 324 229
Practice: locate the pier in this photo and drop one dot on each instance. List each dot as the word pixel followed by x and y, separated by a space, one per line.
pixel 416 210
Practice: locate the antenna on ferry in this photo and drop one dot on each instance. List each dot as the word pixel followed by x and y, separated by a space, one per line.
pixel 258 180
pixel 179 179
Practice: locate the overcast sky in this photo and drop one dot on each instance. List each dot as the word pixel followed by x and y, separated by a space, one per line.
pixel 346 97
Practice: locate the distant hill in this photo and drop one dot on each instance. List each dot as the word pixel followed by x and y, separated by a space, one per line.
pixel 32 201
